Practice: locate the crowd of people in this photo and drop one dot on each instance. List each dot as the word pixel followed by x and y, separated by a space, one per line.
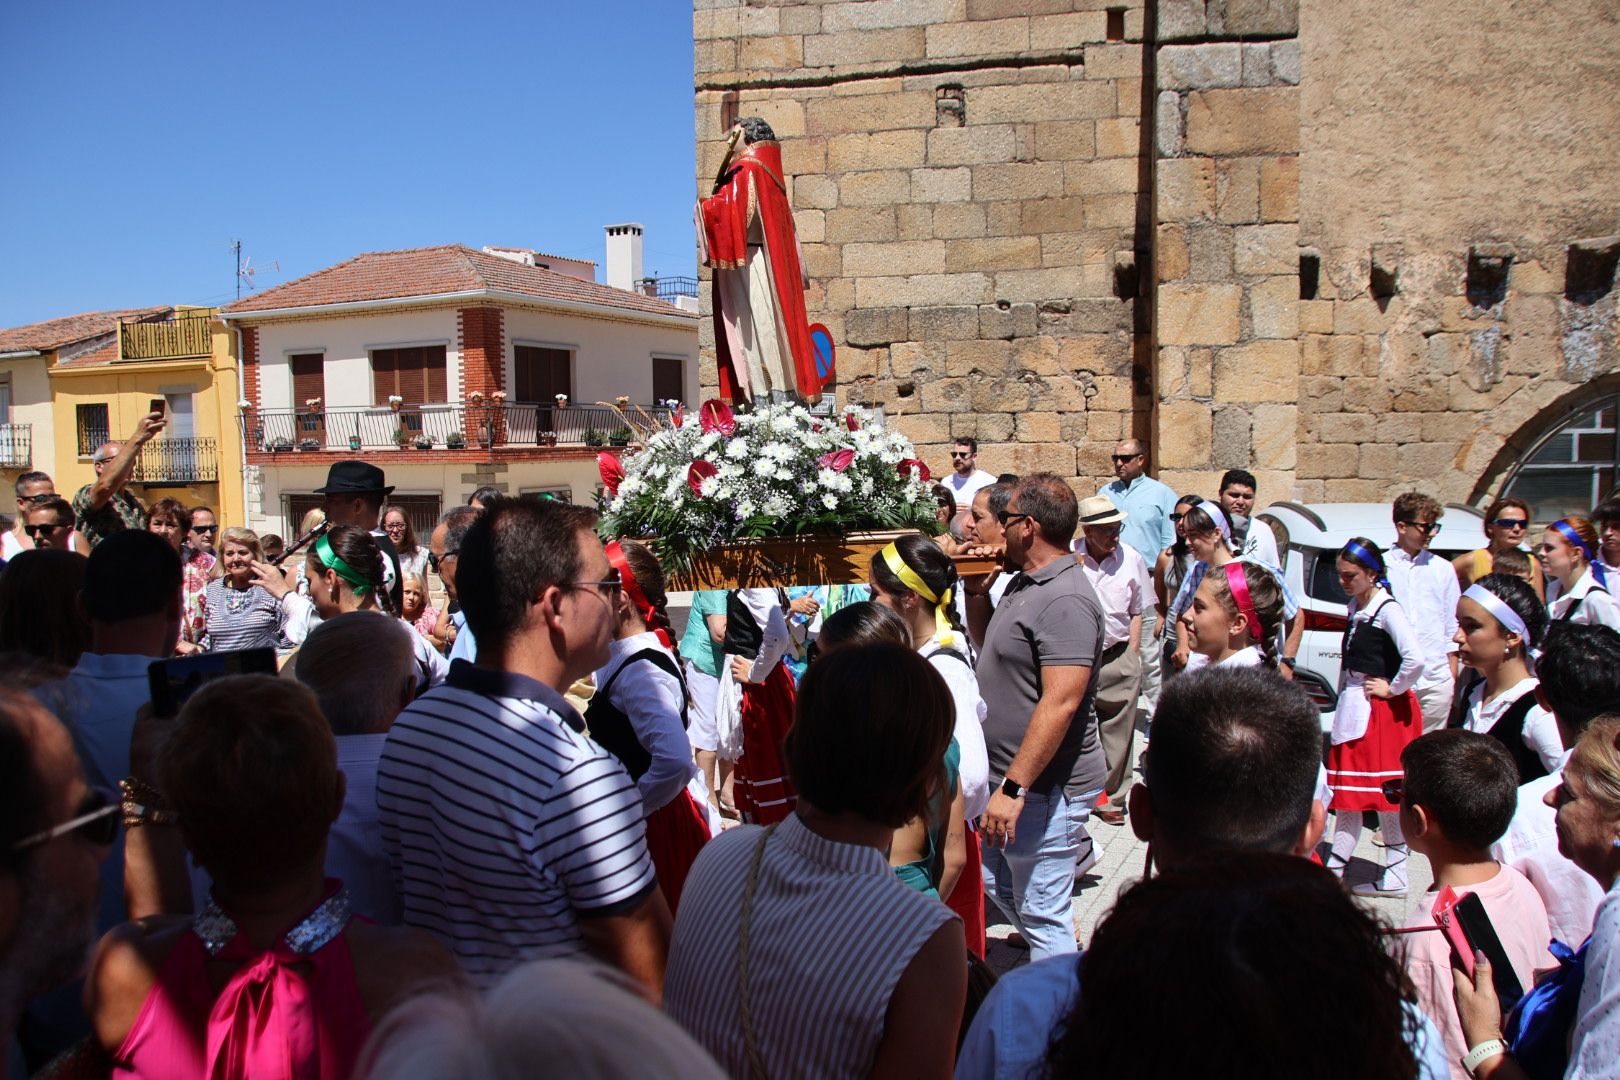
pixel 541 820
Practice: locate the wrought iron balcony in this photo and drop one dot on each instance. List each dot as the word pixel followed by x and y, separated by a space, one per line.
pixel 16 446
pixel 455 426
pixel 667 288
pixel 178 461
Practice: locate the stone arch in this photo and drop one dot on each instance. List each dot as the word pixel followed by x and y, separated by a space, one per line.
pixel 1544 418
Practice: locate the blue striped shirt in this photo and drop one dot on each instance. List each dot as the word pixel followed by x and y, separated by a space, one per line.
pixel 503 825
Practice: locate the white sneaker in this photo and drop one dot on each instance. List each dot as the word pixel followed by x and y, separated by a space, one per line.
pixel 1088 860
pixel 1391 881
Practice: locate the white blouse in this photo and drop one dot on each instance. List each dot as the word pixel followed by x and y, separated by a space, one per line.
pixel 1597 608
pixel 970 709
pixel 1355 709
pixel 1540 726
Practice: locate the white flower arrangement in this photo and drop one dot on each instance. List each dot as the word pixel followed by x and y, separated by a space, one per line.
pixel 312 404
pixel 774 470
pixel 395 402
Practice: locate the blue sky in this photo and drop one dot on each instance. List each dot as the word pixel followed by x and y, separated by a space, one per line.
pixel 139 140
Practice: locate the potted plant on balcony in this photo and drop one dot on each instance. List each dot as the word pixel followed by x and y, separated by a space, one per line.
pixel 354 442
pixel 403 435
pixel 309 444
pixel 561 400
pixel 280 444
pixel 395 402
pixel 456 441
pixel 619 438
pixel 424 442
pixel 548 438
pixel 594 437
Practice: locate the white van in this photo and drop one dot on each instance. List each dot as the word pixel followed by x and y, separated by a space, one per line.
pixel 1309 538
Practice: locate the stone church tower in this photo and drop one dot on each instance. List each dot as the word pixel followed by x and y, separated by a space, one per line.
pixel 1348 245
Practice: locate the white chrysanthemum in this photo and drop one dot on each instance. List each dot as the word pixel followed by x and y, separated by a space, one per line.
pixel 784 473
pixel 737 449
pixel 830 501
pixel 745 509
pixel 866 485
pixel 845 483
pixel 709 486
pixel 828 479
pixel 778 506
pixel 764 466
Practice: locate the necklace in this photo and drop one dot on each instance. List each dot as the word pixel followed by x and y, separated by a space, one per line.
pixel 236 600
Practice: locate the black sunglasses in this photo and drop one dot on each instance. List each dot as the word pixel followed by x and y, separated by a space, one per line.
pixel 1124 457
pixel 961 453
pixel 1006 516
pixel 205 528
pixel 97 819
pixel 1511 523
pixel 1429 528
pixel 35 530
pixel 1394 790
pixel 436 561
pixel 43 497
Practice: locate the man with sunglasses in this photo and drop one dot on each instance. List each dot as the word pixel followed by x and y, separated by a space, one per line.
pixel 512 835
pixel 444 552
pixel 33 489
pixel 1147 505
pixel 48 523
pixel 204 529
pixel 54 833
pixel 966 478
pixel 1427 588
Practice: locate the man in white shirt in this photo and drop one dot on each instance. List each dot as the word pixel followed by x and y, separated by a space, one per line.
pixel 1427 588
pixel 966 477
pixel 1249 541
pixel 1120 577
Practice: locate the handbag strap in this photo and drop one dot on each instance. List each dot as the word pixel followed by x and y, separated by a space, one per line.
pixel 756 1063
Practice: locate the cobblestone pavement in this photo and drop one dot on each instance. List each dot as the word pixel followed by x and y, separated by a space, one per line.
pixel 1121 865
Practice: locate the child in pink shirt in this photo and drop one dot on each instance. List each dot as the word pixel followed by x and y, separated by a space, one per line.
pixel 1459 793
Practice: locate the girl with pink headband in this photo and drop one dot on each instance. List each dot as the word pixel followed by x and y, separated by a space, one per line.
pixel 1234 616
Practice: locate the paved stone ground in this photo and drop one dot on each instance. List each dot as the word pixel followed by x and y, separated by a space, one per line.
pixel 1121 865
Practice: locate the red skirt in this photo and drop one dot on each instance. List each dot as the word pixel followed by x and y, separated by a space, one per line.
pixel 1357 769
pixel 676 832
pixel 967 899
pixel 763 792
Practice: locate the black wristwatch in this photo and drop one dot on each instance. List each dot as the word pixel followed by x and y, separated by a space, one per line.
pixel 1012 788
pixel 1288 662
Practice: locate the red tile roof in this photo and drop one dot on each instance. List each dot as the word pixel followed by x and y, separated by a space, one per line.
pixel 55 333
pixel 452 268
pixel 97 357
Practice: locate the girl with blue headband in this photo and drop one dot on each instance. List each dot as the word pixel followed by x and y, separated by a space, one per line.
pixel 916 579
pixel 1499 624
pixel 1578 587
pixel 1377 715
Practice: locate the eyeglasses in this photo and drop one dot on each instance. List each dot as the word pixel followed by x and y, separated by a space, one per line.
pixel 95 819
pixel 35 530
pixel 1006 517
pixel 1108 530
pixel 1394 790
pixel 1510 523
pixel 1124 457
pixel 609 587
pixel 207 530
pixel 45 496
pixel 1428 528
pixel 961 453
pixel 1177 517
pixel 395 526
pixel 436 561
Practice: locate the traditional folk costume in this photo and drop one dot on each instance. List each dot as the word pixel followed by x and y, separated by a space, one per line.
pixel 639 715
pixel 1370 733
pixel 756 630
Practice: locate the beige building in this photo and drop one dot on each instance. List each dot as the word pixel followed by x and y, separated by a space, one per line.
pixel 1351 246
pixel 451 368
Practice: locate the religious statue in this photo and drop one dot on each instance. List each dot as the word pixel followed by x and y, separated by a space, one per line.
pixel 746 237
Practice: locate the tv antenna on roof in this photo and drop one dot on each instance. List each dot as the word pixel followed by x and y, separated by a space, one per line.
pixel 245 269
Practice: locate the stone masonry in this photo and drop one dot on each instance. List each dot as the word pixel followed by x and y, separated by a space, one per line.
pixel 1052 223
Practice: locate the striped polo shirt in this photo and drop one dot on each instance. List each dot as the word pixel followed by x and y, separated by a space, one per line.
pixel 831 933
pixel 504 824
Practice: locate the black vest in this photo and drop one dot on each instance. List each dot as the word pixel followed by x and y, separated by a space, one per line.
pixel 609 726
pixel 1509 731
pixel 1369 649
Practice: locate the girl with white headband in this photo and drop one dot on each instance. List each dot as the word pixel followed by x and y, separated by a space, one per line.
pixel 1578 591
pixel 1377 715
pixel 1499 622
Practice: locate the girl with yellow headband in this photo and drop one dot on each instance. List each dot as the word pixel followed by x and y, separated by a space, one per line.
pixel 918 581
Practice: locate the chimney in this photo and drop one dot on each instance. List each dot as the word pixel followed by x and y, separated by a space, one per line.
pixel 623 256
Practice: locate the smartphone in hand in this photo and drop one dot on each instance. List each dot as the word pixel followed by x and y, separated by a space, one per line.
pixel 1468 927
pixel 174 680
pixel 158 405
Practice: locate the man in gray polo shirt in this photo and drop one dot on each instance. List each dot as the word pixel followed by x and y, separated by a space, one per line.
pixel 1046 764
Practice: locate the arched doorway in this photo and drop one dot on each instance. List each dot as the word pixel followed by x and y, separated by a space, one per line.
pixel 1574 465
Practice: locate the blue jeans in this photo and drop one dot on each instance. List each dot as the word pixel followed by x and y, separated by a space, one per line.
pixel 1032 879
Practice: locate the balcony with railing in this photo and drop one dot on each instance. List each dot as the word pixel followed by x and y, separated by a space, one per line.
pixel 173 339
pixel 453 426
pixel 667 288
pixel 16 446
pixel 178 461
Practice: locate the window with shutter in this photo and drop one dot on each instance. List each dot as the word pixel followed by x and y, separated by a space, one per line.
pixel 308 382
pixel 416 374
pixel 669 378
pixel 540 374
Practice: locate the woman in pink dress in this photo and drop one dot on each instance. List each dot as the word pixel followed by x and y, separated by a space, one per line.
pixel 274 977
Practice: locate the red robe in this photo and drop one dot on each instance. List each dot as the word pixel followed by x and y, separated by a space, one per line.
pixel 753 187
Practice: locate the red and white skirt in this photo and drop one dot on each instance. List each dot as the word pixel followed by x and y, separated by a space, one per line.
pixel 762 790
pixel 676 832
pixel 1357 769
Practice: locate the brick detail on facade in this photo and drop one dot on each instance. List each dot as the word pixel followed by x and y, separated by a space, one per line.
pixel 250 365
pixel 481 339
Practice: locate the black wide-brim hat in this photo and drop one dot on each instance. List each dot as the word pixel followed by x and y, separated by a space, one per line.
pixel 354 478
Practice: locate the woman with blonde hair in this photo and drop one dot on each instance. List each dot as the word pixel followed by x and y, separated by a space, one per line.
pixel 242 612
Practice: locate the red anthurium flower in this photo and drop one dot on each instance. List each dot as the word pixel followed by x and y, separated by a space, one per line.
pixel 700 471
pixel 852 422
pixel 612 473
pixel 837 461
pixel 675 417
pixel 715 415
pixel 905 467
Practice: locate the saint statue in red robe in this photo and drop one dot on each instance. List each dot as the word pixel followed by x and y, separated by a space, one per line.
pixel 746 236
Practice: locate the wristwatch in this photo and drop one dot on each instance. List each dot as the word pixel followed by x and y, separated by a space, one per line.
pixel 1288 662
pixel 1012 788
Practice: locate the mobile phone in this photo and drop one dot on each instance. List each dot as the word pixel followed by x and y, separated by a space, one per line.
pixel 158 405
pixel 174 680
pixel 1468 927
